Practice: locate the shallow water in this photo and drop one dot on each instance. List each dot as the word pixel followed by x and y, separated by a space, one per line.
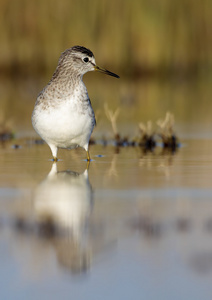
pixel 135 226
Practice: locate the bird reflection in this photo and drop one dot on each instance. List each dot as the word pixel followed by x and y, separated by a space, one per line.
pixel 62 206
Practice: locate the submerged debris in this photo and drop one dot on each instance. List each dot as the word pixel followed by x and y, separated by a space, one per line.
pixel 112 117
pixel 147 136
pixel 166 132
pixel 6 132
pixel 16 146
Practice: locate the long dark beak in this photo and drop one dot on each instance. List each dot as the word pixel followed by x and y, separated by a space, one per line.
pixel 99 69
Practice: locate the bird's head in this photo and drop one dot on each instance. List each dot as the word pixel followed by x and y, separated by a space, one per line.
pixel 80 60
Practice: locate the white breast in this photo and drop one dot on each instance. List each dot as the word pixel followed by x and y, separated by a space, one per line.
pixel 67 122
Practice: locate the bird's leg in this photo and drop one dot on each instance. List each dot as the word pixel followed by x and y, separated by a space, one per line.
pixel 88 156
pixel 88 164
pixel 54 152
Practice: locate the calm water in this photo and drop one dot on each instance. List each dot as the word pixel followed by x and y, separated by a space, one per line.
pixel 135 226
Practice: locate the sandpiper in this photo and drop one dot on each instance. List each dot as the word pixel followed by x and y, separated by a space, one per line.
pixel 63 115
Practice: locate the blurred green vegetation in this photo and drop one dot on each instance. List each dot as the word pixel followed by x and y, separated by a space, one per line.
pixel 167 41
pixel 133 38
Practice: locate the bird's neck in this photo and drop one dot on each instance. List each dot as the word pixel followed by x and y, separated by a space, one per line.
pixel 65 85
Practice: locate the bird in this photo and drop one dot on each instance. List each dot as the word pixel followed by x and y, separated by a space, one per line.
pixel 63 115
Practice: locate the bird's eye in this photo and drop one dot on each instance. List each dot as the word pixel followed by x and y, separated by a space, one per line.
pixel 85 59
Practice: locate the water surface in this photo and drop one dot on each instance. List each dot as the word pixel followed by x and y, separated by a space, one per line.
pixel 134 225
